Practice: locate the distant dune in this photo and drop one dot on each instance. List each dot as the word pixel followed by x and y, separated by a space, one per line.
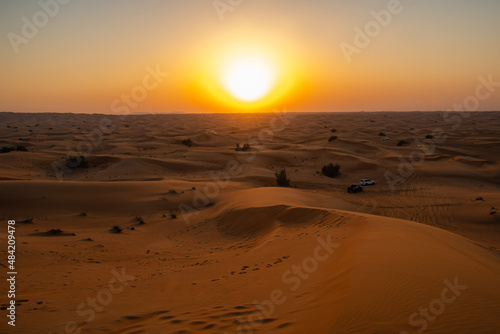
pixel 156 236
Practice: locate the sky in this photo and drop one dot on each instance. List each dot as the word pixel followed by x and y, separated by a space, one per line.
pixel 154 56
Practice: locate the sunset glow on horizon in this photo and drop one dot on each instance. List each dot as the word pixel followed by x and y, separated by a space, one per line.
pixel 252 57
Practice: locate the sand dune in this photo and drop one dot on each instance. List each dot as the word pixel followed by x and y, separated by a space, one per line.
pixel 250 256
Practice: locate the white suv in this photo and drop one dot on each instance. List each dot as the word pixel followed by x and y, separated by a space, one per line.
pixel 366 182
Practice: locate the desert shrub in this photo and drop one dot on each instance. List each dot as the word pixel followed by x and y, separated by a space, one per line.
pixel 172 191
pixel 246 147
pixel 55 232
pixel 6 149
pixel 334 130
pixel 140 220
pixel 187 142
pixel 77 161
pixel 403 142
pixel 19 148
pixel 429 137
pixel 173 216
pixel 331 170
pixel 116 229
pixel 332 138
pixel 382 134
pixel 282 179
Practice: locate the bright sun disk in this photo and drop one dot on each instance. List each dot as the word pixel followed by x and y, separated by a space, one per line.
pixel 249 79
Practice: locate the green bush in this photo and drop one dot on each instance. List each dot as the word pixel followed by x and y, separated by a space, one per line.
pixel 282 179
pixel 77 162
pixel 7 149
pixel 403 142
pixel 20 148
pixel 331 170
pixel 116 229
pixel 332 138
pixel 246 147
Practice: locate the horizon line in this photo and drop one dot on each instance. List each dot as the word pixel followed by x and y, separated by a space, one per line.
pixel 236 112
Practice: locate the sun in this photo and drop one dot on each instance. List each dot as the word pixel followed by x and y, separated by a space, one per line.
pixel 249 79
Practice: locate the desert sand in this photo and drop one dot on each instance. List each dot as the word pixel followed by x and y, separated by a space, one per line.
pixel 210 243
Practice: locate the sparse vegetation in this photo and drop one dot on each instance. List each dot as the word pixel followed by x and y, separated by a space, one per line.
pixel 282 179
pixel 140 220
pixel 403 142
pixel 187 142
pixel 172 191
pixel 7 149
pixel 429 137
pixel 116 229
pixel 73 162
pixel 332 138
pixel 55 232
pixel 331 170
pixel 382 134
pixel 20 148
pixel 173 216
pixel 334 130
pixel 27 221
pixel 246 147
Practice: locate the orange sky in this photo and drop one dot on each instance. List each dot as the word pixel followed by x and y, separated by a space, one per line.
pixel 85 56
